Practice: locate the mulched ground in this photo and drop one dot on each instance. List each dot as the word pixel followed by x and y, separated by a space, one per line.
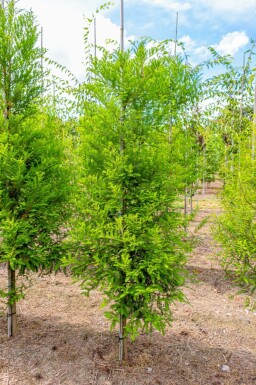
pixel 65 340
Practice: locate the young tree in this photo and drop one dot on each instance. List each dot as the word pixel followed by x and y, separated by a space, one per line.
pixel 34 178
pixel 129 232
pixel 235 228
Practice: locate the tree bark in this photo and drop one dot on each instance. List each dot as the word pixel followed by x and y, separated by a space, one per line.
pixel 122 340
pixel 11 310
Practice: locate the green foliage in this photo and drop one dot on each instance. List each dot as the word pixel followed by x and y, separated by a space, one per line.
pixel 231 125
pixel 20 61
pixel 212 156
pixel 34 193
pixel 34 177
pixel 236 227
pixel 129 234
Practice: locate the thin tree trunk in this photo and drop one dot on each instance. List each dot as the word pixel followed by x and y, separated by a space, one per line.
pixel 122 340
pixel 11 311
pixel 185 207
pixel 203 186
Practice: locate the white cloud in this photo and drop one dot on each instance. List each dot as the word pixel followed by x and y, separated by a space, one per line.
pixel 170 5
pixel 202 52
pixel 188 42
pixel 231 7
pixel 192 48
pixel 106 30
pixel 231 43
pixel 63 25
pixel 63 29
pixel 60 5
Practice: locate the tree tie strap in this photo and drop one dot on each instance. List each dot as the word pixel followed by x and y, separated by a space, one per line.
pixel 11 314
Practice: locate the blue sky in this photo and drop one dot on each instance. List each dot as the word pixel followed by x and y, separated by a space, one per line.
pixel 227 25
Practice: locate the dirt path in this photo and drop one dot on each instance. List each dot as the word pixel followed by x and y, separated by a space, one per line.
pixel 65 340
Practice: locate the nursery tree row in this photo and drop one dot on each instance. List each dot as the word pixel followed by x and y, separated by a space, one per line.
pixel 101 189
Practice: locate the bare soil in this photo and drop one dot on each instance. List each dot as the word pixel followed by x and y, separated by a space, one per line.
pixel 64 338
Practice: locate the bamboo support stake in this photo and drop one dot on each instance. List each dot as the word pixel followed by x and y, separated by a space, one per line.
pixel 11 277
pixel 241 112
pixel 175 49
pixel 54 91
pixel 42 61
pixel 122 25
pixel 185 202
pixel 95 37
pixel 254 122
pixel 242 93
pixel 176 34
pixel 122 320
pixel 170 130
pixel 232 155
pixel 11 310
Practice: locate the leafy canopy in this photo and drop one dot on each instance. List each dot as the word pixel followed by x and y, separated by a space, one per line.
pixel 128 232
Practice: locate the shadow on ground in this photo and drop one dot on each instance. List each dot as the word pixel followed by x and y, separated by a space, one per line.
pixel 49 352
pixel 211 276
